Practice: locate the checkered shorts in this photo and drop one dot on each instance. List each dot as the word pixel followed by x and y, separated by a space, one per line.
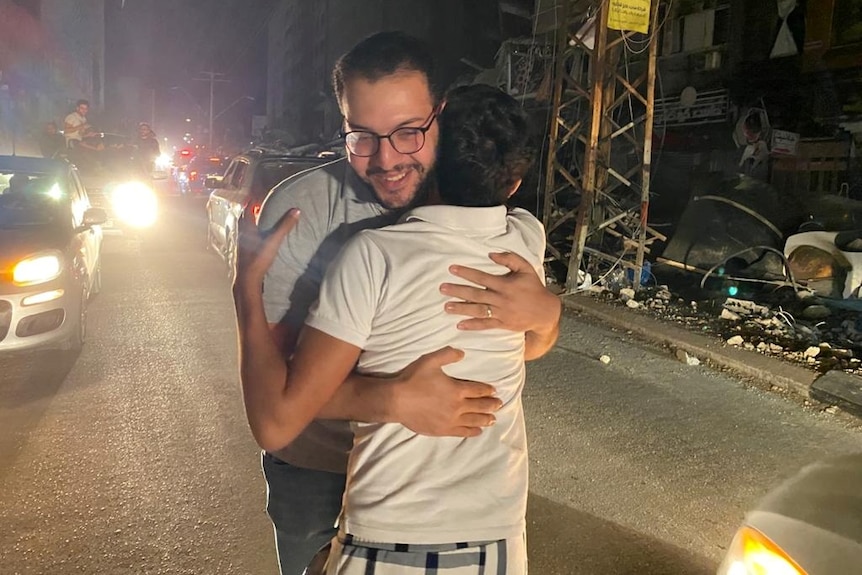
pixel 349 556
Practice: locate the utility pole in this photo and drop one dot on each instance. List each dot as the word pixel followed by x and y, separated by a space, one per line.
pixel 212 78
pixel 596 201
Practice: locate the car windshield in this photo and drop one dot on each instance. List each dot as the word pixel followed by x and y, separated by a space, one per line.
pixel 30 199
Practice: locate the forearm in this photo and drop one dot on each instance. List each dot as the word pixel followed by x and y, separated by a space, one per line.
pixel 542 338
pixel 263 368
pixel 361 398
pixel 538 343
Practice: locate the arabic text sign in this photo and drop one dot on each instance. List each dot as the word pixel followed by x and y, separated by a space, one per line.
pixel 629 15
pixel 784 143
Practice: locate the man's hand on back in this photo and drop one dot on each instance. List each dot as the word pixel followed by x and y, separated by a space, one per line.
pixel 429 402
pixel 516 301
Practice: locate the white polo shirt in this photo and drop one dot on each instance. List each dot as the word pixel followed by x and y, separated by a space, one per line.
pixel 77 120
pixel 382 294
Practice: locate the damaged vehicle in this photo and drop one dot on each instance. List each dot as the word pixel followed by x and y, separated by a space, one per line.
pixel 727 236
pixel 826 255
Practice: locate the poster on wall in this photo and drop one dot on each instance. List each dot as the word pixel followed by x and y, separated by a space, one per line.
pixel 629 15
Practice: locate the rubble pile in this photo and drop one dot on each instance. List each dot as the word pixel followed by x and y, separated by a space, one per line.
pixel 800 331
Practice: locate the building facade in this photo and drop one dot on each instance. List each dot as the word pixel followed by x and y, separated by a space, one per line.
pixel 306 39
pixel 52 52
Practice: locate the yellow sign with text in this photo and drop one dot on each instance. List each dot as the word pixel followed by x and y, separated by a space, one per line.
pixel 629 15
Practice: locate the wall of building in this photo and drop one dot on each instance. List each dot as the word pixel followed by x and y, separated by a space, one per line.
pixel 306 38
pixel 51 53
pixel 76 49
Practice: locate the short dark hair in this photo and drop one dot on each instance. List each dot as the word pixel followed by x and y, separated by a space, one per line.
pixel 485 146
pixel 82 102
pixel 384 54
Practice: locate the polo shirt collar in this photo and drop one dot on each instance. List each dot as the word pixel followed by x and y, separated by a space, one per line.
pixel 467 221
pixel 362 190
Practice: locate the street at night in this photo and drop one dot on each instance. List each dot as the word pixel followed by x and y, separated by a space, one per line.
pixel 430 287
pixel 137 458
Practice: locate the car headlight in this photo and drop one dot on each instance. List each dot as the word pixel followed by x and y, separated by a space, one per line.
pixel 752 553
pixel 37 269
pixel 163 162
pixel 135 204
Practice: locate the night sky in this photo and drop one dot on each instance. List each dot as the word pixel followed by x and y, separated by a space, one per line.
pixel 169 43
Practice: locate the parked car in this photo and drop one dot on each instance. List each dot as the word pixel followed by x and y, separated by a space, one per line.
pixel 50 254
pixel 119 182
pixel 248 179
pixel 809 525
pixel 198 170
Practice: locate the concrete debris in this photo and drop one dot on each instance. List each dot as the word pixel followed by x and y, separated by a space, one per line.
pixel 605 359
pixel 627 294
pixel 685 358
pixel 812 352
pixel 795 329
pixel 745 307
pixel 729 315
pixel 831 409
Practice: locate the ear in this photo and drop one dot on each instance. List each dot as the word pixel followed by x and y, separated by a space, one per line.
pixel 514 188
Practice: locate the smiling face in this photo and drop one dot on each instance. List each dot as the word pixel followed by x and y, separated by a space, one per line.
pixel 395 101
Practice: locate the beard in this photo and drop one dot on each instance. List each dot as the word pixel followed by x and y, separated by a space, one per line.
pixel 425 185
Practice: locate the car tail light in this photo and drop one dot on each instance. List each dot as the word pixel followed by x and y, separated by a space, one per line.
pixel 193 176
pixel 753 553
pixel 255 211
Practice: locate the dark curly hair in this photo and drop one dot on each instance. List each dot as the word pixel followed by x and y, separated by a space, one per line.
pixel 484 148
pixel 384 54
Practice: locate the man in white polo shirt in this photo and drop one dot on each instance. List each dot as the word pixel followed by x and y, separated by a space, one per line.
pixel 388 94
pixel 415 502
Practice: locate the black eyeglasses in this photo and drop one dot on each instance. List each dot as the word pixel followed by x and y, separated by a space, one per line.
pixel 407 140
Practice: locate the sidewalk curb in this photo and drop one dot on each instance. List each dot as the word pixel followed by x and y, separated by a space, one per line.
pixel 769 370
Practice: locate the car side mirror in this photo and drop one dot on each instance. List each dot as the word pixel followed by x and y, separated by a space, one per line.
pixel 94 217
pixel 214 182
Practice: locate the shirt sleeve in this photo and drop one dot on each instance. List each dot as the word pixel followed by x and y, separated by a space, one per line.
pixel 351 291
pixel 292 282
pixel 534 237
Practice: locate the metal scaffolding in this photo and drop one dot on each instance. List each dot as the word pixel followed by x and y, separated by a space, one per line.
pixel 596 190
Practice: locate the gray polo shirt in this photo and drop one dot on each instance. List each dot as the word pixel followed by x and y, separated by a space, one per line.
pixel 335 204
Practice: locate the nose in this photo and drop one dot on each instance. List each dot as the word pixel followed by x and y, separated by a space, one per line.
pixel 386 157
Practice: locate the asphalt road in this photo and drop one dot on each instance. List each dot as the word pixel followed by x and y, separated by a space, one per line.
pixel 134 457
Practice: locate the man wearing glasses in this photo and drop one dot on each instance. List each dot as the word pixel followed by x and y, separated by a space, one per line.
pixel 386 91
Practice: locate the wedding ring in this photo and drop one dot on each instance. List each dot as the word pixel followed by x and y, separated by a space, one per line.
pixel 488 313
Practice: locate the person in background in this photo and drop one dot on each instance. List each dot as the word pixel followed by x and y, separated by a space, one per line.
pixel 76 123
pixel 51 142
pixel 148 146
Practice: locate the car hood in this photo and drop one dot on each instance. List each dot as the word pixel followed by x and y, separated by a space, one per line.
pixel 816 515
pixel 18 243
pixel 826 494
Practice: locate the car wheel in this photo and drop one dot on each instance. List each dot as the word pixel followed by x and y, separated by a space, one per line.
pixel 79 331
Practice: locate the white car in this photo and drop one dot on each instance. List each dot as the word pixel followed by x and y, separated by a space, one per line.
pixel 810 525
pixel 50 254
